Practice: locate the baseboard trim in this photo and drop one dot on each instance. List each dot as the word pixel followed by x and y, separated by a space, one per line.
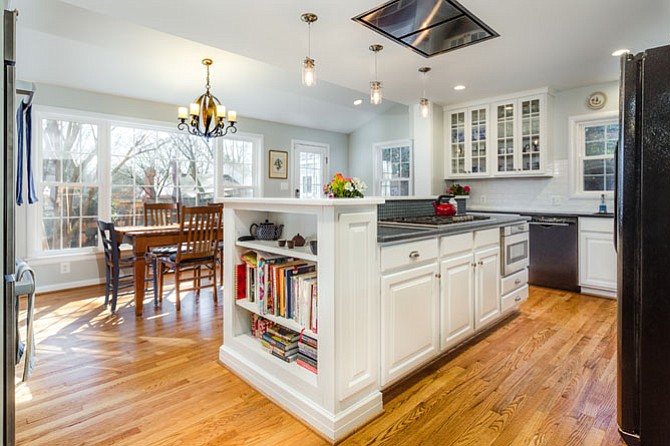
pixel 67 285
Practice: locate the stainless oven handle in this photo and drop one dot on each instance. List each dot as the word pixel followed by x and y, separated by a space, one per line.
pixel 537 223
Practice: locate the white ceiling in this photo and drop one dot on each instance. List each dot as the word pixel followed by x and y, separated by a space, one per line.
pixel 151 50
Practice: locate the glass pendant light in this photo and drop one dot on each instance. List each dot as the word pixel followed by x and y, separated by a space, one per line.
pixel 424 104
pixel 308 65
pixel 376 85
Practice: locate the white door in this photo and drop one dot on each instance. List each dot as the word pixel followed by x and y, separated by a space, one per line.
pixel 310 168
pixel 487 285
pixel 458 318
pixel 410 308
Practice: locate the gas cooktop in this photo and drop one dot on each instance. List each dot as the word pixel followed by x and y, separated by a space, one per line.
pixel 432 221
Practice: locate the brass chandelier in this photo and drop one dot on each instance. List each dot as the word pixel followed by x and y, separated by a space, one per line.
pixel 206 116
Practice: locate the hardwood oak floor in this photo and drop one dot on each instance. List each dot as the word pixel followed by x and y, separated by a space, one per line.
pixel 544 377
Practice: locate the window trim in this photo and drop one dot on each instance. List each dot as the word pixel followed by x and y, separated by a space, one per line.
pixel 377 148
pixel 319 147
pixel 576 131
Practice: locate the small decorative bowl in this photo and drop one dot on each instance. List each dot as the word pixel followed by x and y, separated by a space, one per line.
pixel 281 242
pixel 312 246
pixel 289 244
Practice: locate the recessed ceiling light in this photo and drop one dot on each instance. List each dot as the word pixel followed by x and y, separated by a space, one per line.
pixel 618 53
pixel 459 87
pixel 358 101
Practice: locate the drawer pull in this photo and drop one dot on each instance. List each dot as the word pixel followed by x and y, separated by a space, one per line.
pixel 414 255
pixel 517 281
pixel 517 299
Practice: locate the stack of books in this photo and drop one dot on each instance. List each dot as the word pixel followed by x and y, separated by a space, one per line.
pixel 307 353
pixel 281 342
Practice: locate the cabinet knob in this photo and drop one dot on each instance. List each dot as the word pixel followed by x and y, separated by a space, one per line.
pixel 517 281
pixel 473 264
pixel 517 299
pixel 480 263
pixel 414 255
pixel 438 275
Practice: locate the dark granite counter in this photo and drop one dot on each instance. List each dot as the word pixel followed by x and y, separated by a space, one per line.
pixel 394 234
pixel 547 213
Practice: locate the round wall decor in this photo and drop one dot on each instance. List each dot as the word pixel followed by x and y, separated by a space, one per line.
pixel 596 100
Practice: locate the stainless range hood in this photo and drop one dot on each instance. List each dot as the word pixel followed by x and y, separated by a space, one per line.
pixel 428 27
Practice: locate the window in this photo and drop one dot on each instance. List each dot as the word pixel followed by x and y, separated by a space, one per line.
pixel 92 167
pixel 394 168
pixel 149 166
pixel 594 141
pixel 240 166
pixel 68 182
pixel 310 168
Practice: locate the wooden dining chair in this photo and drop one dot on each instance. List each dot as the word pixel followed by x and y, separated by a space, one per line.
pixel 161 214
pixel 219 243
pixel 197 248
pixel 115 266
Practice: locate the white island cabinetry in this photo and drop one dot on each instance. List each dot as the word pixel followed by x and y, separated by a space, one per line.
pixel 410 303
pixel 344 393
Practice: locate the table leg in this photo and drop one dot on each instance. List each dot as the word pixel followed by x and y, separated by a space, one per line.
pixel 139 250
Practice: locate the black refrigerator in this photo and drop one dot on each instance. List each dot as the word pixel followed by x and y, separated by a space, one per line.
pixel 643 247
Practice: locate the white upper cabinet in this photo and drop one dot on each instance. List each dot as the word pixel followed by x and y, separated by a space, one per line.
pixel 520 136
pixel 468 147
pixel 500 137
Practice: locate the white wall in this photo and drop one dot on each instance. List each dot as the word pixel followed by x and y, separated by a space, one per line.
pixel 275 136
pixel 391 126
pixel 536 194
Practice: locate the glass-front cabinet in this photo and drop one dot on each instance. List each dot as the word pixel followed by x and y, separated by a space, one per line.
pixel 501 137
pixel 468 143
pixel 520 136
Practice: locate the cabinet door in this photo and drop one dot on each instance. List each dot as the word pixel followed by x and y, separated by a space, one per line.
pixel 457 298
pixel 457 134
pixel 532 138
pixel 479 141
pixel 598 261
pixel 487 285
pixel 410 324
pixel 505 132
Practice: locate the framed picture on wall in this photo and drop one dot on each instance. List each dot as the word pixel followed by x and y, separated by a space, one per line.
pixel 278 165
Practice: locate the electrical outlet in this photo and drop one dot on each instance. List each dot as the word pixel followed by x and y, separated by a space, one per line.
pixel 482 199
pixel 555 200
pixel 65 267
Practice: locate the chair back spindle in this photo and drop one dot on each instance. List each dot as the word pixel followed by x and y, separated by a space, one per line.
pixel 161 214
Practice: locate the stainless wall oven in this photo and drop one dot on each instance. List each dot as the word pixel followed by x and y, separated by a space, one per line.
pixel 514 247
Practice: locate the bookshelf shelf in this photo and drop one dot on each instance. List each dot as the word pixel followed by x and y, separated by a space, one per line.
pixel 288 323
pixel 302 252
pixel 293 368
pixel 343 282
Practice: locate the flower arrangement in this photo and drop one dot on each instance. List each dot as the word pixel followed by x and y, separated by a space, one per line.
pixel 342 187
pixel 457 189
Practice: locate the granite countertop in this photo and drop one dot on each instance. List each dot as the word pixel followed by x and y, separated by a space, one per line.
pixel 547 213
pixel 395 234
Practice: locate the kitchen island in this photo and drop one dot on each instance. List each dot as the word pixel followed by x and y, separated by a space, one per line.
pixel 384 309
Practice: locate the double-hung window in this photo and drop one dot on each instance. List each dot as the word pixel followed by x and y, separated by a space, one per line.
pixel 68 182
pixel 240 166
pixel 394 168
pixel 594 142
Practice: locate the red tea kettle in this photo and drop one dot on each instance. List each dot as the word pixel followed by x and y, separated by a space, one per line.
pixel 447 208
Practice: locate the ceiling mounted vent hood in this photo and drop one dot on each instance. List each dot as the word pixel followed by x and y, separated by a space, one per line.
pixel 428 27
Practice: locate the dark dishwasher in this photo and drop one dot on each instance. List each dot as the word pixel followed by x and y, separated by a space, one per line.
pixel 554 260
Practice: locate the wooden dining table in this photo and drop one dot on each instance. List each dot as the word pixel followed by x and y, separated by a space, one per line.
pixel 142 238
